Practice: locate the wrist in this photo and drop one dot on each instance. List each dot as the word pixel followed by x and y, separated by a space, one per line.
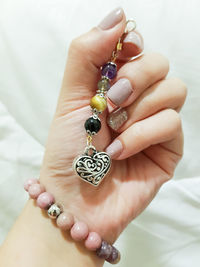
pixel 43 242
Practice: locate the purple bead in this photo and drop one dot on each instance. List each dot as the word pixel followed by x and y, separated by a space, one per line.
pixel 114 256
pixel 109 70
pixel 104 251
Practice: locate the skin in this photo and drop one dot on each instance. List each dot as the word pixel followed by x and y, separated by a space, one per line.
pixel 152 141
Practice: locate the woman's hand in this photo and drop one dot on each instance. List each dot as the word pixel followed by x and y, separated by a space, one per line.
pixel 145 149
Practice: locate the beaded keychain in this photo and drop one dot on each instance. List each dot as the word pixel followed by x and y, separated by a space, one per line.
pixel 92 168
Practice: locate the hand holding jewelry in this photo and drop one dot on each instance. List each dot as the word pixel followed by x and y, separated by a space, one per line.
pixel 141 133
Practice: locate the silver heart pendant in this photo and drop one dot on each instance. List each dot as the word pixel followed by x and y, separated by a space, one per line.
pixel 92 168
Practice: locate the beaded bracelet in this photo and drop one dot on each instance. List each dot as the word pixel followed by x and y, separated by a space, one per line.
pixel 65 221
pixel 93 167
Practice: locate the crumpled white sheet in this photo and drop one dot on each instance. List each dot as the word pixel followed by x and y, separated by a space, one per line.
pixel 34 37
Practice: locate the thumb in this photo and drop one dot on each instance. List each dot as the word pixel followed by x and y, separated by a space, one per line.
pixel 86 55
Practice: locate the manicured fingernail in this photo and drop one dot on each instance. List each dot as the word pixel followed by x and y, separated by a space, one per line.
pixel 117 118
pixel 112 19
pixel 136 39
pixel 120 91
pixel 114 149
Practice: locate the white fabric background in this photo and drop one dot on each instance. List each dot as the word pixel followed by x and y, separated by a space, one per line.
pixel 34 37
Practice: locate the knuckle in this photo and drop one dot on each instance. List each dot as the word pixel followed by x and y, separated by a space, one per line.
pixel 77 45
pixel 83 46
pixel 181 87
pixel 176 118
pixel 139 133
pixel 184 91
pixel 138 130
pixel 163 60
pixel 157 63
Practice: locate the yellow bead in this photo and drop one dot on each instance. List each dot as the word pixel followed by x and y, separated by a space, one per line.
pixel 98 102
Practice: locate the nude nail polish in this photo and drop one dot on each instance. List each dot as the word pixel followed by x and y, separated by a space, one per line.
pixel 120 91
pixel 112 19
pixel 114 149
pixel 134 38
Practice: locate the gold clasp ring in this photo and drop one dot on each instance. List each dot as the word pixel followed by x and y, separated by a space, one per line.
pixel 130 25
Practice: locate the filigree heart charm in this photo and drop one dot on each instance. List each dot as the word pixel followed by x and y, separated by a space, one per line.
pixel 94 167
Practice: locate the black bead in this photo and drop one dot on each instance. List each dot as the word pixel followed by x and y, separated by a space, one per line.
pixel 92 125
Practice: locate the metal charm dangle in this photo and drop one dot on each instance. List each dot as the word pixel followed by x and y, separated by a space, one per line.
pixel 92 167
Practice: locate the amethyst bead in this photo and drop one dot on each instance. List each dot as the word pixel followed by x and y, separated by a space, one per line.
pixel 104 251
pixel 114 256
pixel 109 70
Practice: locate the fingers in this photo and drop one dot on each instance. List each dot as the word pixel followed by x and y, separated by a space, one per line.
pixel 86 54
pixel 136 76
pixel 91 50
pixel 158 128
pixel 168 93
